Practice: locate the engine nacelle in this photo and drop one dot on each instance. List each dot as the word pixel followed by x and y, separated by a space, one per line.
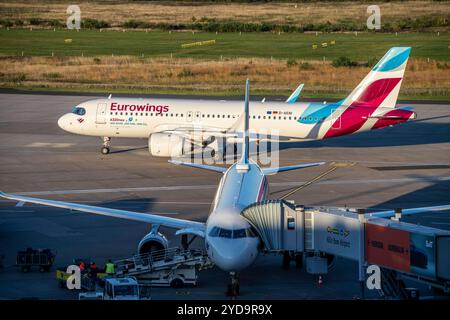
pixel 168 145
pixel 153 242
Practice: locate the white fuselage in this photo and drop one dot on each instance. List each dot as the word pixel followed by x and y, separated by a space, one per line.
pixel 139 118
pixel 230 241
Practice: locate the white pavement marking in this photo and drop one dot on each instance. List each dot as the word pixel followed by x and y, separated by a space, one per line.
pixel 20 204
pixel 202 187
pixel 49 145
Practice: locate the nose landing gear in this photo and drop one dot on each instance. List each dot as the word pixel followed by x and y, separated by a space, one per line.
pixel 233 286
pixel 106 145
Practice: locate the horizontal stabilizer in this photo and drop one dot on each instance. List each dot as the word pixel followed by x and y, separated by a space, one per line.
pixel 268 171
pixel 199 166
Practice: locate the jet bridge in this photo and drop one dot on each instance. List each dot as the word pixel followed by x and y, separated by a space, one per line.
pixel 410 251
pixel 280 224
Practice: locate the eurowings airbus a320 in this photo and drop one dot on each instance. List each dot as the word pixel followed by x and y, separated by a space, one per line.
pixel 174 127
pixel 230 240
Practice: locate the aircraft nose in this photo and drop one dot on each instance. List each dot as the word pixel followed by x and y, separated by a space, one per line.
pixel 232 256
pixel 64 122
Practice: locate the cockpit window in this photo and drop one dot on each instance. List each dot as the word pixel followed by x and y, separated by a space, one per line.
pixel 214 232
pixel 235 234
pixel 240 233
pixel 79 111
pixel 225 233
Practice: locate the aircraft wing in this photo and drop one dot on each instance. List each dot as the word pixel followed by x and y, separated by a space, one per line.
pixel 115 213
pixel 390 213
pixel 190 132
pixel 268 171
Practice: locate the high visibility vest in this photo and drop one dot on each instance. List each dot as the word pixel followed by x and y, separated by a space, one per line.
pixel 109 268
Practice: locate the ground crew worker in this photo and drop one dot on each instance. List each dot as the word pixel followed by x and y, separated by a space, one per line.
pixel 109 268
pixel 82 266
pixel 93 266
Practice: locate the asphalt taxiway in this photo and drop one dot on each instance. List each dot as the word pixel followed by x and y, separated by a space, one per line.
pixel 403 166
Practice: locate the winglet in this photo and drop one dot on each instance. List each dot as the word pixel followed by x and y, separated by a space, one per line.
pixel 294 96
pixel 242 165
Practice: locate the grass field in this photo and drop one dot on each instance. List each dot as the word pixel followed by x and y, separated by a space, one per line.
pixel 155 62
pixel 264 45
pixel 116 12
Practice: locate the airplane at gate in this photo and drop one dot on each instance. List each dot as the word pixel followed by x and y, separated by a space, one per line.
pixel 230 240
pixel 174 126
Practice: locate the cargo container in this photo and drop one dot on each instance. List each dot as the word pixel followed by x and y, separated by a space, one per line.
pixel 405 247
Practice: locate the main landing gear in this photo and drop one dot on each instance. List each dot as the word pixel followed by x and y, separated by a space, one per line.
pixel 106 145
pixel 233 286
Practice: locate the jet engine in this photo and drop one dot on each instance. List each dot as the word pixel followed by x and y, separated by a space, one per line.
pixel 168 145
pixel 154 241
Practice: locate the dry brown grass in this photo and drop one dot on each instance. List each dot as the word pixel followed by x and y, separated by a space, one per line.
pixel 118 12
pixel 128 72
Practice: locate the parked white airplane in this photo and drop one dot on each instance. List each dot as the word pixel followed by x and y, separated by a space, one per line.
pixel 231 242
pixel 175 126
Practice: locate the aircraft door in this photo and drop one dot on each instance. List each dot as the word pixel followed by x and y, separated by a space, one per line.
pixel 336 119
pixel 101 113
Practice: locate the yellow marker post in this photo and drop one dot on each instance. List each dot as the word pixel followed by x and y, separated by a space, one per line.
pixel 199 43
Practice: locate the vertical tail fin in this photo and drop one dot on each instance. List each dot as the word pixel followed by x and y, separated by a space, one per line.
pixel 242 165
pixel 381 86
